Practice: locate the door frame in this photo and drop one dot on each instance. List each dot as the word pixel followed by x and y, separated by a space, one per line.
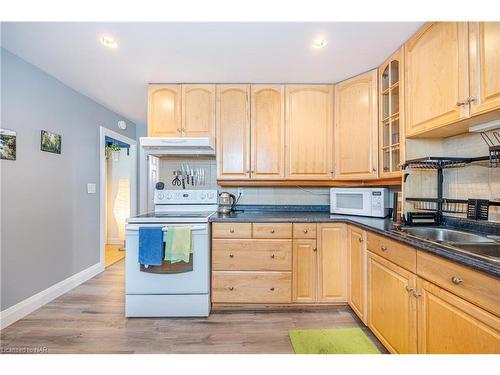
pixel 103 132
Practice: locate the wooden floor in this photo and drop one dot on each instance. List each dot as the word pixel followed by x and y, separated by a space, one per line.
pixel 113 254
pixel 90 319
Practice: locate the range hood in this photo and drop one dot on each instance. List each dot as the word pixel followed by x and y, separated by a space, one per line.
pixel 159 146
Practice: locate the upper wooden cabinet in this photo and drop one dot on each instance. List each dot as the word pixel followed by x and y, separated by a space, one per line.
pixel 484 65
pixel 164 110
pixel 268 132
pixel 233 132
pixel 309 132
pixel 356 140
pixel 181 111
pixel 437 79
pixel 391 115
pixel 198 110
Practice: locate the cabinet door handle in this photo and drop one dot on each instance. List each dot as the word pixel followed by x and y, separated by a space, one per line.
pixel 231 288
pixel 384 248
pixel 231 255
pixel 231 230
pixel 462 102
pixel 272 289
pixel 409 289
pixel 272 230
pixel 179 130
pixel 456 280
pixel 315 249
pixel 272 256
pixel 471 99
pixel 360 239
pixel 417 294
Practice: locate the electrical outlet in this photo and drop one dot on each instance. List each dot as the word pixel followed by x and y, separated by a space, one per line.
pixel 240 192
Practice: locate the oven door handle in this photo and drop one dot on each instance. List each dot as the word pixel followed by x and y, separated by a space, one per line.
pixel 165 228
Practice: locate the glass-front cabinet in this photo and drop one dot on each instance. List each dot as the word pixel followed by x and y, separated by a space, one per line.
pixel 391 140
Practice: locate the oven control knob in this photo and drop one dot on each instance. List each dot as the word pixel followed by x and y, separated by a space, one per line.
pixel 203 195
pixel 177 195
pixel 169 196
pixel 160 195
pixel 211 195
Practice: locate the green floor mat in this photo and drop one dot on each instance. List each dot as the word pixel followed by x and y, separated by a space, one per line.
pixel 331 341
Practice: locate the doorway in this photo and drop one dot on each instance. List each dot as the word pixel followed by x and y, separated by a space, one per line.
pixel 118 193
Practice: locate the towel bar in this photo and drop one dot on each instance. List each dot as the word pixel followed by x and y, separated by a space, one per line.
pixel 165 228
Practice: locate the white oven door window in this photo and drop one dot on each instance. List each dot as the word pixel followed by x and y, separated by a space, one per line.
pixel 195 281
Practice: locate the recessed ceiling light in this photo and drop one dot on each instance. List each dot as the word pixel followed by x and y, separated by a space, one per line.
pixel 108 41
pixel 318 43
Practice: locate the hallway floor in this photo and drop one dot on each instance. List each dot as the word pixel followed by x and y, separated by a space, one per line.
pixel 90 319
pixel 113 254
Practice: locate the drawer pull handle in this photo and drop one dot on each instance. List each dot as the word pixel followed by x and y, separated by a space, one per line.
pixel 231 230
pixel 360 239
pixel 272 289
pixel 315 249
pixel 456 280
pixel 231 288
pixel 417 294
pixel 384 248
pixel 231 255
pixel 272 256
pixel 272 230
pixel 305 231
pixel 409 289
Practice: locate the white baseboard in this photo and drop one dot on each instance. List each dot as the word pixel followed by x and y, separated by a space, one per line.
pixel 27 306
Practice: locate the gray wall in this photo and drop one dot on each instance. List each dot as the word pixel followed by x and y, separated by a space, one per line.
pixel 49 224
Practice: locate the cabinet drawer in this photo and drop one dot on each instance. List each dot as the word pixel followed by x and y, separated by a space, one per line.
pixel 396 252
pixel 304 230
pixel 474 286
pixel 251 255
pixel 232 230
pixel 251 287
pixel 271 230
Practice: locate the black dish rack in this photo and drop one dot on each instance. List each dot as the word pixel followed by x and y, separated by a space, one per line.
pixel 432 209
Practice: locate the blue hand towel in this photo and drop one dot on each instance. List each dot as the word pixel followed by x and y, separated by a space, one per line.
pixel 151 246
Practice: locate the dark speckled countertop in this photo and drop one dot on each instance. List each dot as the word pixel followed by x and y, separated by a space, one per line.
pixel 320 214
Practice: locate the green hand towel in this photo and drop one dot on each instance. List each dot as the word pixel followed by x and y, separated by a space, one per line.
pixel 178 244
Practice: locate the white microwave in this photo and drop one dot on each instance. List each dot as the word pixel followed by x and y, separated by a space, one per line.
pixel 372 202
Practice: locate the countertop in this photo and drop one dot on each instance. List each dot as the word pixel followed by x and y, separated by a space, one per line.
pixel 383 227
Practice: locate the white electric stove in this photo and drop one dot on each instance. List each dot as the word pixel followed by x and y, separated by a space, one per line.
pixel 183 290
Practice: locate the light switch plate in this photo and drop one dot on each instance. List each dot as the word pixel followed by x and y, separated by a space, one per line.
pixel 91 188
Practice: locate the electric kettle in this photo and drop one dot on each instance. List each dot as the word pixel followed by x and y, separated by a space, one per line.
pixel 226 202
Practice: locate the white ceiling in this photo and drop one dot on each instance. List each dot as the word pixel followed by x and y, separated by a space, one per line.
pixel 198 52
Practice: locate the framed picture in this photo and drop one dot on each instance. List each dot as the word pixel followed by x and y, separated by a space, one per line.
pixel 7 144
pixel 50 142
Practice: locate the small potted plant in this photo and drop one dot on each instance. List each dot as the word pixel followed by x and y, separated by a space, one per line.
pixel 113 151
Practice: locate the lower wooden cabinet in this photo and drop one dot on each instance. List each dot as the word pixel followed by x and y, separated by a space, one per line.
pixel 447 324
pixel 320 266
pixel 305 272
pixel 356 269
pixel 251 287
pixel 332 263
pixel 391 305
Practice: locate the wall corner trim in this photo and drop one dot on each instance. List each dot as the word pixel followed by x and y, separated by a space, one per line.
pixel 27 306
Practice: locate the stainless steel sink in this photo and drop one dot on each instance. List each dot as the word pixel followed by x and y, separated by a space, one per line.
pixel 447 235
pixel 470 243
pixel 488 250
